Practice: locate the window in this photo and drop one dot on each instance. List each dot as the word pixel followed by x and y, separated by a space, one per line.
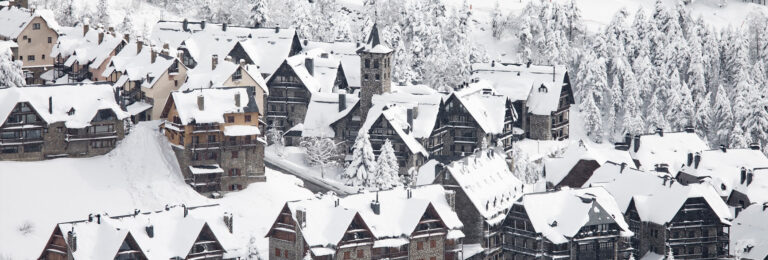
pixel 196 157
pixel 367 63
pixel 420 245
pixel 10 149
pixel 21 57
pixel 234 172
pixel 247 118
pixel 31 57
pixel 29 40
pixel 43 57
pixel 277 251
pixel 211 138
pixel 432 244
pixel 238 75
pixel 376 63
pixel 195 139
pixel 36 26
pixel 234 154
pixel 433 258
pixel 230 119
pixel 347 255
pixel 365 76
pixel 100 129
pixel 211 156
pixel 50 40
pixel 378 77
pixel 360 253
pixel 32 148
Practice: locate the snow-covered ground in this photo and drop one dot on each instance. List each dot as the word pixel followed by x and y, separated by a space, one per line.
pixel 293 159
pixel 141 173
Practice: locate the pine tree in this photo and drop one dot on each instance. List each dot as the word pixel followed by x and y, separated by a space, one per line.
pixel 703 120
pixel 644 76
pixel 633 121
pixel 360 171
pixel 738 138
pixel 11 74
pixel 102 16
pixel 593 123
pixel 498 24
pixel 654 112
pixel 259 13
pixel 722 118
pixel 387 167
pixel 755 123
pixel 126 27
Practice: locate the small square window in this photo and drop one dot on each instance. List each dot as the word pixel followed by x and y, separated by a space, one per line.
pixel 277 251
pixel 378 77
pixel 247 118
pixel 360 254
pixel 230 119
pixel 234 154
pixel 50 40
pixel 36 26
pixel 31 57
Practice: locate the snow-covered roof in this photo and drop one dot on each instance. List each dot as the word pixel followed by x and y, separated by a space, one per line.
pixel 749 230
pixel 205 76
pixel 5 46
pixel 216 103
pixel 323 110
pixel 241 130
pixel 205 169
pixel 324 69
pixel 724 170
pixel 398 218
pixel 347 52
pixel 85 99
pixel 671 148
pixel 15 19
pixel 268 47
pixel 558 168
pixel 173 233
pixel 85 48
pixel 488 182
pixel 522 82
pixel 373 43
pixel 657 198
pixel 560 215
pixel 486 107
pixel 138 65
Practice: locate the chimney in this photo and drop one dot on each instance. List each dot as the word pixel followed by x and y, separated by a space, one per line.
pixel 660 131
pixel 139 45
pixel 72 240
pixel 202 24
pixel 301 215
pixel 166 48
pixel 554 75
pixel 111 30
pixel 637 143
pixel 528 65
pixel 185 25
pixel 409 117
pixel 627 138
pixel 90 217
pixel 750 175
pixel 408 193
pixel 101 37
pixel 623 166
pixel 277 29
pixel 50 105
pixel 237 99
pixel 375 205
pixel 662 167
pixel 754 146
pixel 152 55
pixel 450 197
pixel 723 148
pixel 309 63
pixel 127 38
pixel 224 27
pixel 214 61
pixel 690 129
pixel 200 102
pixel 493 63
pixel 186 211
pixel 696 160
pixel 229 220
pixel 241 62
pixel 98 218
pixel 180 55
pixel 342 102
pixel 336 203
pixel 85 28
pixel 690 159
pixel 743 175
pixel 765 206
pixel 306 42
pixel 150 231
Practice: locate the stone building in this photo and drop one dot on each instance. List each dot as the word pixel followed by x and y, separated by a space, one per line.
pixel 417 223
pixel 691 221
pixel 375 69
pixel 542 96
pixel 566 224
pixel 177 232
pixel 472 118
pixel 485 190
pixel 53 121
pixel 298 78
pixel 217 138
pixel 35 33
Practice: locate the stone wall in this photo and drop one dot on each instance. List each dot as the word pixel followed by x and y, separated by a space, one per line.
pixel 55 143
pixel 539 127
pixel 353 252
pixel 427 252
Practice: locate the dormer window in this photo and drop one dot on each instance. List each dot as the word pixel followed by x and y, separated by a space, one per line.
pixel 71 111
pixel 543 89
pixel 238 75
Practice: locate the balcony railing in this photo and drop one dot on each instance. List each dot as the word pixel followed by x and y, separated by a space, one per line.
pixel 205 146
pixel 288 99
pixel 80 75
pixel 206 128
pixel 461 123
pixel 465 139
pixel 91 136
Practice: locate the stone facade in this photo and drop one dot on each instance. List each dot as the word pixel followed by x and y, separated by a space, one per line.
pixel 288 99
pixel 240 158
pixel 44 140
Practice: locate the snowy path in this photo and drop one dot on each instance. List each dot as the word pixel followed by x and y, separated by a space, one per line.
pixel 305 173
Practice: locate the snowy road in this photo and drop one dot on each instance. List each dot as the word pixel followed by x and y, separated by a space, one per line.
pixel 309 183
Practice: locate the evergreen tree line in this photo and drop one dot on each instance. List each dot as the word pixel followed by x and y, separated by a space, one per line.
pixel 659 70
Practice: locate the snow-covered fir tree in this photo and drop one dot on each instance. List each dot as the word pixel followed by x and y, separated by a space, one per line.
pixel 259 13
pixel 361 170
pixel 11 74
pixel 387 167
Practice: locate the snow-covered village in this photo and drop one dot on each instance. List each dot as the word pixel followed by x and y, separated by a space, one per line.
pixel 383 129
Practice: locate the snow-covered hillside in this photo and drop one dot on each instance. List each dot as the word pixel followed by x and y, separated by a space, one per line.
pixel 141 173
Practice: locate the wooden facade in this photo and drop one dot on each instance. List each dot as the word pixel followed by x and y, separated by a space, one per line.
pixel 288 99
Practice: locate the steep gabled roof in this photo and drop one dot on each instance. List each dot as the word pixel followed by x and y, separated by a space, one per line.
pixel 216 103
pixel 15 19
pixel 86 100
pixel 657 198
pixel 724 167
pixel 323 111
pixel 347 52
pixel 488 182
pixel 560 167
pixel 669 148
pixel 487 108
pixel 523 82
pixel 559 215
